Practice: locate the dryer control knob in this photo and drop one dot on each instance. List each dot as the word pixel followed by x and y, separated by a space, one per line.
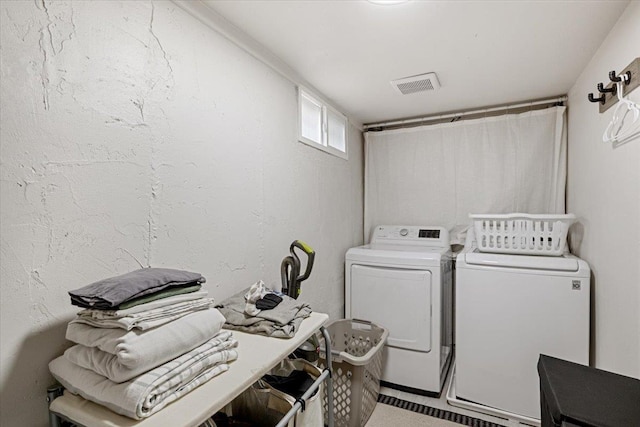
pixel 404 232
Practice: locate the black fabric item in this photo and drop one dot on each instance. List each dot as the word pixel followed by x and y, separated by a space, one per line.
pixel 268 302
pixel 585 396
pixel 273 297
pixel 294 385
pixel 222 420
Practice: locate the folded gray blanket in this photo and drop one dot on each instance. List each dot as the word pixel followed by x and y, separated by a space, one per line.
pixel 109 293
pixel 283 321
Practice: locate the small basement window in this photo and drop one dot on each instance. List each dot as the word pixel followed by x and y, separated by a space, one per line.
pixel 320 125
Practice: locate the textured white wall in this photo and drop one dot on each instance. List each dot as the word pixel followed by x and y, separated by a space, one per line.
pixel 604 191
pixel 134 135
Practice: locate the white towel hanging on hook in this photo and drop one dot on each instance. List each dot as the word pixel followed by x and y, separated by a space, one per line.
pixel 615 130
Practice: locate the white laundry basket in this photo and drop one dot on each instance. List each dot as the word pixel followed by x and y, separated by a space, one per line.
pixel 523 234
pixel 357 367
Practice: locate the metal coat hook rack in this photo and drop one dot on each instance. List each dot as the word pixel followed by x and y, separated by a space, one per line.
pixel 614 78
pixel 600 99
pixel 608 94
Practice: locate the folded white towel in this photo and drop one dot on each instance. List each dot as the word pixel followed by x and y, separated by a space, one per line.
pixel 156 345
pixel 107 364
pixel 143 320
pixel 150 392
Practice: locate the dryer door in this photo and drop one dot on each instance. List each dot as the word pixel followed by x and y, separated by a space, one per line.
pixel 397 299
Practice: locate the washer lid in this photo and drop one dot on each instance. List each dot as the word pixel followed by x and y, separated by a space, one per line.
pixel 565 262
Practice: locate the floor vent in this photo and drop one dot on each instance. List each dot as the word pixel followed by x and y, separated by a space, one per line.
pixel 420 83
pixel 436 413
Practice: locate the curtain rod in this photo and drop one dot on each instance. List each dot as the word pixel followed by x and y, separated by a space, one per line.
pixel 464 113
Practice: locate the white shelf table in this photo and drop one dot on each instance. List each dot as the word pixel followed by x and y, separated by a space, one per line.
pixel 257 355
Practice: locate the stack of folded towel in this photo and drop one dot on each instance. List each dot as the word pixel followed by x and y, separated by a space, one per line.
pixel 145 339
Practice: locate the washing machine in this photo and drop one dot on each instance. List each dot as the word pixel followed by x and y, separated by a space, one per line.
pixel 402 281
pixel 509 310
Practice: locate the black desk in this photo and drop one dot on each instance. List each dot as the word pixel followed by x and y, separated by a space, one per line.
pixel 572 394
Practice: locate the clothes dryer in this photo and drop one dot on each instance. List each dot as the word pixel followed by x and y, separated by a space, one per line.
pixel 509 310
pixel 402 280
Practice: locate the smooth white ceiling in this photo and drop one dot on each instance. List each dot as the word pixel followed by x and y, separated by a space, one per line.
pixel 485 53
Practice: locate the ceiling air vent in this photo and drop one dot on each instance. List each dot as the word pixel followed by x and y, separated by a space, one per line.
pixel 419 83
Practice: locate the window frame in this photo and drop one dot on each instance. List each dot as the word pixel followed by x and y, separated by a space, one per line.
pixel 322 145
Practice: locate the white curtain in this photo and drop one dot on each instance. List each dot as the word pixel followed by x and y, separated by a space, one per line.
pixel 437 175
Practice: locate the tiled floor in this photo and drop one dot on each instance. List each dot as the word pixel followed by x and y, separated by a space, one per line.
pixel 441 403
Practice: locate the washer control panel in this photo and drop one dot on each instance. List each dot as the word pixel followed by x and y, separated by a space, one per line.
pixel 410 235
